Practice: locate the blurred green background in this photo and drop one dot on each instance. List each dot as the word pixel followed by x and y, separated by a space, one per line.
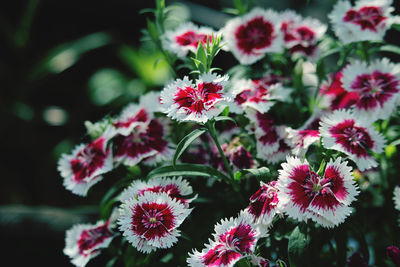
pixel 62 63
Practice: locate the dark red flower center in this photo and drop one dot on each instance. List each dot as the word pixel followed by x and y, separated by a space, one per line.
pixel 92 237
pixel 240 238
pixel 368 17
pixel 191 38
pixel 356 140
pixel 257 33
pixel 152 220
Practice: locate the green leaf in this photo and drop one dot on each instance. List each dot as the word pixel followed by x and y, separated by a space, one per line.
pixel 224 118
pixel 152 29
pixel 259 173
pixel 298 74
pixel 185 142
pixel 187 169
pixel 396 26
pixel 146 10
pixel 201 53
pixel 297 248
pixel 390 48
pixel 111 262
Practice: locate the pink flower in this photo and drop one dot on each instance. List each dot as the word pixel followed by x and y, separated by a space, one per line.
pixel 84 166
pixel 366 21
pixel 176 187
pixel 85 241
pixel 251 36
pixel 334 96
pixel 256 94
pixel 304 194
pixel 151 220
pixel 301 34
pixel 393 253
pixel 185 38
pixel 184 101
pixel 263 204
pixel 355 137
pixel 300 140
pixel 378 87
pixel 233 239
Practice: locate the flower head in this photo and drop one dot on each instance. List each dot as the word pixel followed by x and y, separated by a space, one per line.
pixel 84 166
pixel 176 187
pixel 377 86
pixel 355 137
pixel 184 101
pixel 304 194
pixel 366 21
pixel 251 36
pixel 84 241
pixel 185 38
pixel 151 221
pixel 233 239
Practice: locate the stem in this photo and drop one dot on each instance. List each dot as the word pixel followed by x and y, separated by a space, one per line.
pixel 211 129
pixel 364 51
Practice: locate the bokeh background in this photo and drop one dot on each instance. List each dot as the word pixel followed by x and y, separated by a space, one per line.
pixel 62 63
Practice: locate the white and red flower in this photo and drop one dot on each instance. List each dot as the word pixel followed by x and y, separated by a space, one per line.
pixel 85 241
pixel 264 204
pixel 396 197
pixel 184 101
pixel 304 194
pixel 256 94
pixel 378 87
pixel 185 38
pixel 300 140
pixel 176 187
pixel 368 20
pixel 151 221
pixel 253 35
pixel 353 136
pixel 233 239
pixel 301 35
pixel 333 96
pixel 84 166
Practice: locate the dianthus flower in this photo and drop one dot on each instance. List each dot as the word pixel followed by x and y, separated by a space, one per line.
pixel 150 221
pixel 185 38
pixel 304 194
pixel 301 35
pixel 251 36
pixel 300 140
pixel 85 241
pixel 256 94
pixel 84 166
pixel 233 239
pixel 366 21
pixel 342 131
pixel 378 87
pixel 176 187
pixel 184 101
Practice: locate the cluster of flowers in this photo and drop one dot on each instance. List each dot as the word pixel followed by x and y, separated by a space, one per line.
pixel 347 105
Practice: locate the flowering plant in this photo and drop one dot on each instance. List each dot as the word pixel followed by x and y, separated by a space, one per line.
pixel 275 160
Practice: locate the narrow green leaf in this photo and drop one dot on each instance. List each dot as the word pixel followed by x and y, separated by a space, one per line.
pixel 396 26
pixel 147 10
pixel 390 48
pixel 297 248
pixel 152 29
pixel 187 169
pixel 185 142
pixel 224 118
pixel 259 173
pixel 201 54
pixel 111 262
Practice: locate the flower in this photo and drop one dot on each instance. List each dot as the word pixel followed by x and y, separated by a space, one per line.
pixel 233 239
pixel 301 35
pixel 378 87
pixel 184 101
pixel 84 166
pixel 84 241
pixel 396 197
pixel 304 194
pixel 176 187
pixel 355 137
pixel 332 94
pixel 151 221
pixel 366 21
pixel 393 253
pixel 256 94
pixel 263 204
pixel 185 38
pixel 251 36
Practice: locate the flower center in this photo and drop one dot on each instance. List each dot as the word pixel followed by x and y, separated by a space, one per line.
pixel 314 185
pixel 152 219
pixel 367 17
pixel 255 34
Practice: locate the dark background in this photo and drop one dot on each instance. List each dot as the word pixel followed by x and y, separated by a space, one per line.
pixel 43 105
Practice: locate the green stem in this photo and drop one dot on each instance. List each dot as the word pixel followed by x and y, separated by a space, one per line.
pixel 211 129
pixel 364 51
